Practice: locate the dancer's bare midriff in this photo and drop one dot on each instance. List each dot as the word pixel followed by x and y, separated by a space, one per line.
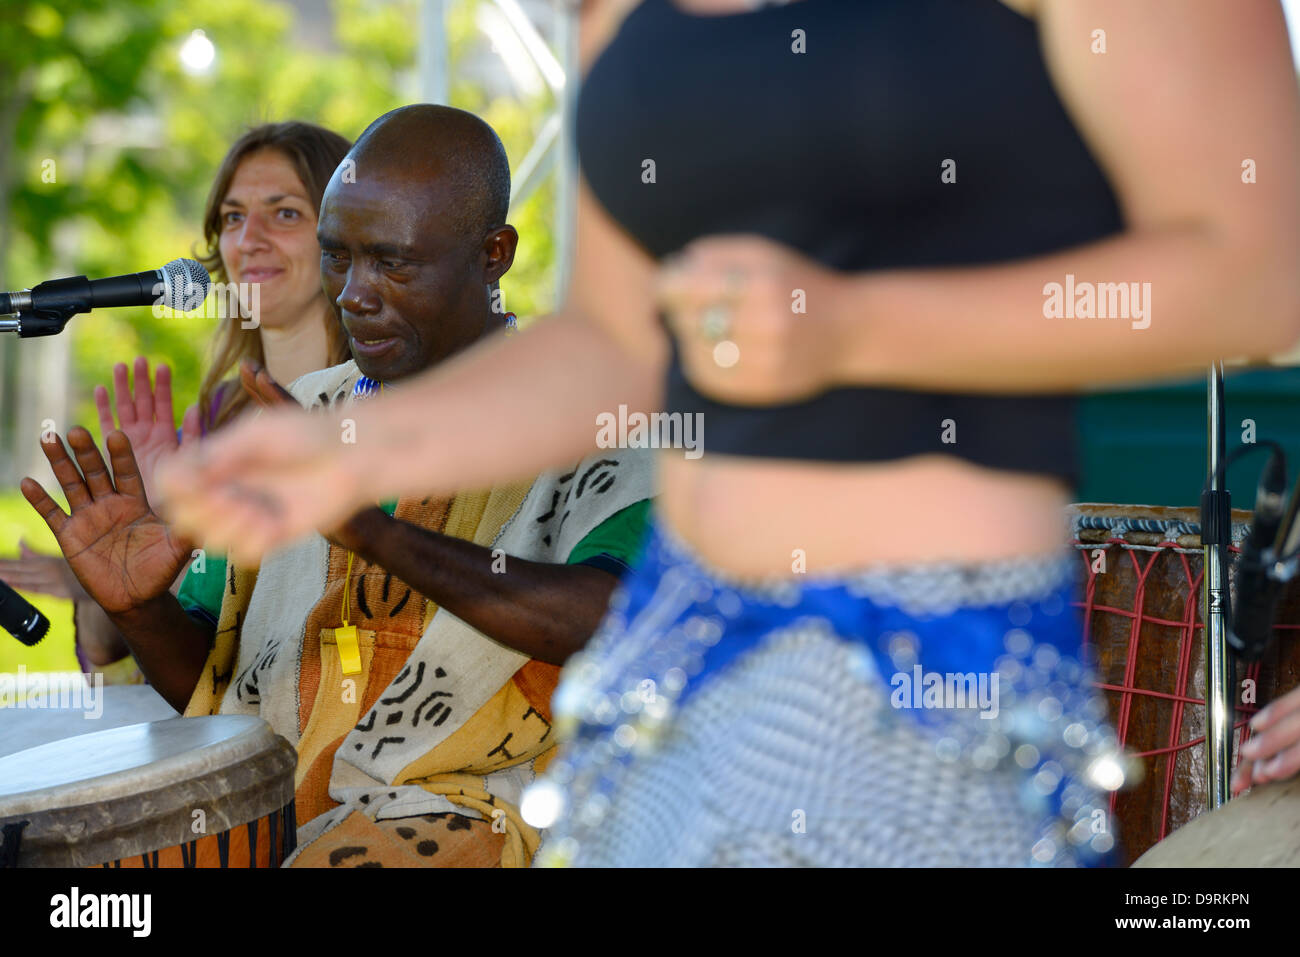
pixel 778 518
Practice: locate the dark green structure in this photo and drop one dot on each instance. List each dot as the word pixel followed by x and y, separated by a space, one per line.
pixel 1148 446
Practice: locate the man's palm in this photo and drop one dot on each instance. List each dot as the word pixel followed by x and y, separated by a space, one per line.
pixel 120 551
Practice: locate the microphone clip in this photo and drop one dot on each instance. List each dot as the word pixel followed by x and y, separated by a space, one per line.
pixel 34 320
pixel 1271 577
pixel 47 321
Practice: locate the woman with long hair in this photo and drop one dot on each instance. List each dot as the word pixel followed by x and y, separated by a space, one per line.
pixel 260 229
pixel 259 246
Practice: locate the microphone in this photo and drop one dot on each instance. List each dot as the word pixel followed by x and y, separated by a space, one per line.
pixel 45 309
pixel 20 618
pixel 1257 588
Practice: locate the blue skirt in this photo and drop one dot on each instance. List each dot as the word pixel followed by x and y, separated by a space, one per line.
pixel 932 715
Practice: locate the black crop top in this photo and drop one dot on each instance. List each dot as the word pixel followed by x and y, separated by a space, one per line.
pixel 837 153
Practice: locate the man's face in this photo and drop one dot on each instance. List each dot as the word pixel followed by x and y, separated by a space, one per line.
pixel 411 290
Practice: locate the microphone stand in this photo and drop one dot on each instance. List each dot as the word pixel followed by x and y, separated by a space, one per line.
pixel 1216 536
pixel 1270 565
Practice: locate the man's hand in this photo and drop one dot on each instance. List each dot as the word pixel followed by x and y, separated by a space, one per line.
pixel 262 389
pixel 146 418
pixel 43 574
pixel 359 533
pixel 1273 752
pixel 123 554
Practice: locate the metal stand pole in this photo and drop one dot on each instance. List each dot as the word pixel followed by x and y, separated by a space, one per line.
pixel 1214 606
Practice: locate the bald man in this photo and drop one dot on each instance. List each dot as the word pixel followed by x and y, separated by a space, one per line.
pixel 411 654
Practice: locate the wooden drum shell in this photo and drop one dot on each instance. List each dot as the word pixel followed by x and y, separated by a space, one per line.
pixel 140 809
pixel 1155 690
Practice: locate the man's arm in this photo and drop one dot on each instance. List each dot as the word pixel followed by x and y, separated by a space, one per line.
pixel 100 643
pixel 169 646
pixel 542 610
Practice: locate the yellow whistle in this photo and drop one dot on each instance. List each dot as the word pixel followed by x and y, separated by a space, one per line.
pixel 349 651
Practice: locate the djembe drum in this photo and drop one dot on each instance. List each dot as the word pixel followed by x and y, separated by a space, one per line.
pixel 186 792
pixel 1142 617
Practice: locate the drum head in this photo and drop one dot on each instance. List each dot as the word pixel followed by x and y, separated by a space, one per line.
pixel 118 761
pixel 1261 829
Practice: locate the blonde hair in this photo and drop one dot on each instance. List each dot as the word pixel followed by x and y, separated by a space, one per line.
pixel 314 152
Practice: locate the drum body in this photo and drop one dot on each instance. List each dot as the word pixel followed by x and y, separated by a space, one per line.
pixel 186 792
pixel 1142 619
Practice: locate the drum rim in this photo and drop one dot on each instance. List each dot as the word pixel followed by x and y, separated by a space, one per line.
pixel 253 738
pixel 1163 514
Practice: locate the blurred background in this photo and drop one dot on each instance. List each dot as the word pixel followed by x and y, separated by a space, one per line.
pixel 114 115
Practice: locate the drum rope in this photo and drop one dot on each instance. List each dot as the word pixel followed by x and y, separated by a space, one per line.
pixel 1140 617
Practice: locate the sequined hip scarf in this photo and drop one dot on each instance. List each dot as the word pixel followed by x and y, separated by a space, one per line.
pixel 980 660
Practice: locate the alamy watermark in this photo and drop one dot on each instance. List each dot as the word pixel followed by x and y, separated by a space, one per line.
pixel 656 430
pixel 64 690
pixel 931 689
pixel 226 300
pixel 129 911
pixel 1105 300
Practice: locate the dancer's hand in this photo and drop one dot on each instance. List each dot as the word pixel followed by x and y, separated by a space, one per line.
pixel 263 482
pixel 352 535
pixel 1273 752
pixel 755 320
pixel 145 417
pixel 122 553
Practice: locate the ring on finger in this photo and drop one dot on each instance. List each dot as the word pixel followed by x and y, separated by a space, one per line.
pixel 715 322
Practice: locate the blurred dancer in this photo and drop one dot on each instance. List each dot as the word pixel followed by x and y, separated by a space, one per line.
pixel 887 240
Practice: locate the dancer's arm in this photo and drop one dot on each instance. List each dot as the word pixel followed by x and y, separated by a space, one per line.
pixel 1188 99
pixel 1186 93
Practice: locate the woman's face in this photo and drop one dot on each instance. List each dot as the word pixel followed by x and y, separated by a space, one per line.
pixel 268 237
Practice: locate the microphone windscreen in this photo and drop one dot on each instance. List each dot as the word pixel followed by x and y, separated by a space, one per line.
pixel 20 618
pixel 185 284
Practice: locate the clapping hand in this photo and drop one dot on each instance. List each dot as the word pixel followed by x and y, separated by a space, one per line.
pixel 145 416
pixel 42 574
